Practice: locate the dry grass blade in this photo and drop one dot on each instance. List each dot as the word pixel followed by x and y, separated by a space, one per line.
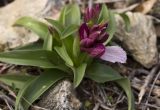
pixel 7 99
pixel 38 108
pixel 152 89
pixel 6 88
pixel 105 107
pixel 126 9
pixel 96 107
pixel 4 68
pixel 156 89
pixel 9 107
pixel 146 83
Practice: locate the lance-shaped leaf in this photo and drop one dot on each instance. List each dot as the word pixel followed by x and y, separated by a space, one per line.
pixel 54 38
pixel 103 16
pixel 125 84
pixel 79 73
pixel 18 81
pixel 111 26
pixel 69 30
pixel 63 15
pixel 102 73
pixel 31 46
pixel 57 26
pixel 126 20
pixel 19 97
pixel 39 58
pixel 73 15
pixel 48 42
pixel 41 29
pixel 64 55
pixel 38 86
pixel 107 15
pixel 76 47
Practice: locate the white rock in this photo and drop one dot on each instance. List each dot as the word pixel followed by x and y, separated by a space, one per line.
pixel 141 40
pixel 13 36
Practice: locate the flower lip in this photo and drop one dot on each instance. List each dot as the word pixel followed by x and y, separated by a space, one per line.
pixel 114 54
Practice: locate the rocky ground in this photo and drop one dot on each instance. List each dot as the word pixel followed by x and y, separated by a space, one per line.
pixel 142 43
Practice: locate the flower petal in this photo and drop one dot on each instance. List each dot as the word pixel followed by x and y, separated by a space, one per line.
pixel 83 31
pixel 94 28
pixel 114 54
pixel 87 15
pixel 103 37
pixel 94 35
pixel 97 8
pixel 86 42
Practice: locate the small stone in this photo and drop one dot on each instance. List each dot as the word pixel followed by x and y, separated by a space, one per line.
pixel 141 40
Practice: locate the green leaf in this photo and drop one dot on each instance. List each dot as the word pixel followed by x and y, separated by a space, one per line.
pixel 68 43
pixel 104 14
pixel 31 46
pixel 63 16
pixel 17 80
pixel 21 92
pixel 48 42
pixel 126 20
pixel 108 16
pixel 38 27
pixel 38 58
pixel 73 15
pixel 37 87
pixel 69 30
pixel 64 55
pixel 76 47
pixel 79 73
pixel 125 84
pixel 102 73
pixel 57 26
pixel 111 26
pixel 56 41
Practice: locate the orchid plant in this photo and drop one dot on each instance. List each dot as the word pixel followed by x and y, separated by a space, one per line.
pixel 69 47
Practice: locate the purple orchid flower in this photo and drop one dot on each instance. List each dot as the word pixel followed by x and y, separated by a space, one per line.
pixel 93 36
pixel 91 13
pixel 92 39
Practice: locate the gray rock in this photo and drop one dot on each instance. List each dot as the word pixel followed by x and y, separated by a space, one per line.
pixel 60 97
pixel 141 40
pixel 11 37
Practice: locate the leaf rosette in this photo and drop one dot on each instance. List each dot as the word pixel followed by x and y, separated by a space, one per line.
pixel 69 48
